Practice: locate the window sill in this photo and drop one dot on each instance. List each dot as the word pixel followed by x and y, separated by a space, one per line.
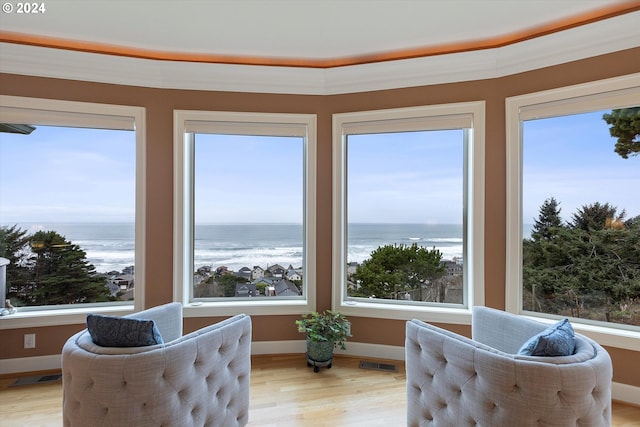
pixel 256 307
pixel 451 315
pixel 55 317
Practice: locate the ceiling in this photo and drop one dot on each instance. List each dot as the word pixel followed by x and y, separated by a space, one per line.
pixel 302 33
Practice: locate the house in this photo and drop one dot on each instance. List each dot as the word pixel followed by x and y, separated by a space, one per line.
pixel 124 281
pixel 246 290
pixel 245 273
pixel 284 288
pixel 257 272
pixel 276 270
pixel 277 286
pixel 121 283
pixel 452 268
pixel 265 285
pixel 293 273
pixel 223 269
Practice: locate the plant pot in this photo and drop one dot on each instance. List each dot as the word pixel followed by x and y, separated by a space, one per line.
pixel 320 351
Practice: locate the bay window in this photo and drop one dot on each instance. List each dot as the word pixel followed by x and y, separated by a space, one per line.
pixel 573 212
pixel 408 211
pixel 245 197
pixel 72 208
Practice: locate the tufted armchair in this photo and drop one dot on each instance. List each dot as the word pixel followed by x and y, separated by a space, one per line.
pixel 456 381
pixel 200 379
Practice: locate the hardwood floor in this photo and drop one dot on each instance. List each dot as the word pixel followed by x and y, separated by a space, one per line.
pixel 284 393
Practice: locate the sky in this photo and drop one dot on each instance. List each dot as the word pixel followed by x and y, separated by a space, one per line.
pixel 241 179
pixel 409 177
pixel 79 175
pixel 572 159
pixel 60 174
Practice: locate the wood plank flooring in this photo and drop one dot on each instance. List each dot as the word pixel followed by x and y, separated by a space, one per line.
pixel 284 393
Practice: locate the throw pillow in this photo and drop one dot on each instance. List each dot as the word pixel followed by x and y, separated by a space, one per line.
pixel 113 331
pixel 557 340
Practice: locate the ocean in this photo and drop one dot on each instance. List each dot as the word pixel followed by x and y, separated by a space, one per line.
pixel 110 246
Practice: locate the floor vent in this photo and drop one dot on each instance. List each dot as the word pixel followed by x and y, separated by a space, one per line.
pixel 38 379
pixel 378 366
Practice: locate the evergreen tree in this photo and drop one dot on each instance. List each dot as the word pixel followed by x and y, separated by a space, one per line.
pixel 14 247
pixel 61 273
pixel 625 125
pixel 228 282
pixel 589 270
pixel 393 270
pixel 596 216
pixel 548 221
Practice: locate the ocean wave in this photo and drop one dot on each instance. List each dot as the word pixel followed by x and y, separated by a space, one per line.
pixel 109 244
pixel 111 247
pixel 359 253
pixel 249 257
pixel 445 239
pixel 237 263
pixel 436 239
pixel 105 261
pixel 106 255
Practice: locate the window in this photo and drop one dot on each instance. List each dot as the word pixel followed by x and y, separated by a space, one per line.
pixel 408 215
pixel 574 218
pixel 72 209
pixel 245 197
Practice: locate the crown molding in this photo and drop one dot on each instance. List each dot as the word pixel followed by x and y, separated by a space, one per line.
pixel 99 68
pixel 601 37
pixel 587 41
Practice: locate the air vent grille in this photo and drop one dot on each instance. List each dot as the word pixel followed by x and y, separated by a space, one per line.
pixel 387 367
pixel 38 379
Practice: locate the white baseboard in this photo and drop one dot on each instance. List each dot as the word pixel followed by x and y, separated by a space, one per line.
pixel 375 351
pixel 30 364
pixel 619 391
pixel 278 347
pixel 357 349
pixel 625 393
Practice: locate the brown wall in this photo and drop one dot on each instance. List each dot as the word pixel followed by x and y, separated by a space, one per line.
pixel 160 103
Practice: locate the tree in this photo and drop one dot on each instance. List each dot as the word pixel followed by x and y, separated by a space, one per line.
pixel 228 282
pixel 588 269
pixel 596 216
pixel 206 288
pixel 625 125
pixel 548 221
pixel 393 270
pixel 14 247
pixel 61 273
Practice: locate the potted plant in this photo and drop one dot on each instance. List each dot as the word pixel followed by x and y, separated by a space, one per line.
pixel 325 331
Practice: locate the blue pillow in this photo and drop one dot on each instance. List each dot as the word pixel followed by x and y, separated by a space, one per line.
pixel 557 340
pixel 112 331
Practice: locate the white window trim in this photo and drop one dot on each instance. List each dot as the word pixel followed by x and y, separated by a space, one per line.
pixel 602 94
pixel 262 124
pixel 85 114
pixel 474 176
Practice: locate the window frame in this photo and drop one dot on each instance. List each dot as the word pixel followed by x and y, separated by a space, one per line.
pixel 432 117
pixel 55 112
pixel 273 124
pixel 592 96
